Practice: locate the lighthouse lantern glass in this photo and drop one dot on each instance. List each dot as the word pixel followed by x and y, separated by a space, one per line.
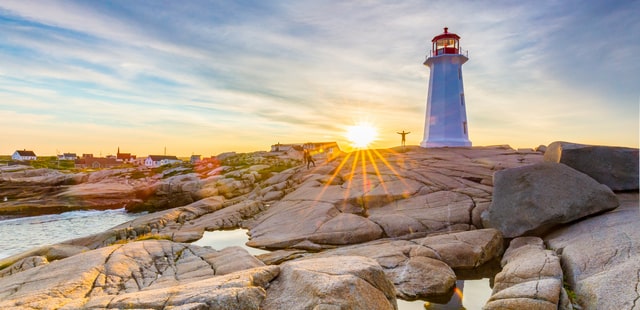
pixel 446 46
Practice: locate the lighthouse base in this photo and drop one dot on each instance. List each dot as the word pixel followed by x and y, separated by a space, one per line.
pixel 445 143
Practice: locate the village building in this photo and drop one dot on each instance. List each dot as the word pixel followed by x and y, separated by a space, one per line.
pixel 160 160
pixel 68 156
pixel 328 149
pixel 125 157
pixel 88 161
pixel 24 155
pixel 279 147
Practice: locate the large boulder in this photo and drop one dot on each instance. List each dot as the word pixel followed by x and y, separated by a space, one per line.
pixel 344 282
pixel 616 167
pixel 534 198
pixel 531 277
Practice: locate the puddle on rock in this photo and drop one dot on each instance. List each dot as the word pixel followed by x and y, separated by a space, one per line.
pixel 474 290
pixel 475 294
pixel 221 239
pixel 475 284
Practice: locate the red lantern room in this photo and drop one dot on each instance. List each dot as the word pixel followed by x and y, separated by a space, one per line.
pixel 445 43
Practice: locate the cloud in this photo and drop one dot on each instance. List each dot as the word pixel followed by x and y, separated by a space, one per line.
pixel 251 72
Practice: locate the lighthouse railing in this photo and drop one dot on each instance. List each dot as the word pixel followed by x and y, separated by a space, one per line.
pixel 433 53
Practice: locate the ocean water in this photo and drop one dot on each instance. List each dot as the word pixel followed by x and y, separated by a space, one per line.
pixel 21 234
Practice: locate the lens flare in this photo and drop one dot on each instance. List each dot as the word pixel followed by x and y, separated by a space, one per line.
pixel 361 135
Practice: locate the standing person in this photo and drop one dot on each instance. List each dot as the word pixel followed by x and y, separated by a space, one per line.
pixel 404 134
pixel 304 156
pixel 309 158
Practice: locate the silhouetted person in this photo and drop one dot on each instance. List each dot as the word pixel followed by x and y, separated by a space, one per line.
pixel 403 134
pixel 308 159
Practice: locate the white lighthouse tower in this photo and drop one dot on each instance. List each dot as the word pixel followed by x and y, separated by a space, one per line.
pixel 446 120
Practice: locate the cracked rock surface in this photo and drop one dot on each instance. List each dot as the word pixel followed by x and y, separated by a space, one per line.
pixel 144 274
pixel 339 282
pixel 531 277
pixel 424 267
pixel 369 195
pixel 601 257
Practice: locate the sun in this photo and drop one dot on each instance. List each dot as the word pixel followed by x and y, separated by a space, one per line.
pixel 361 135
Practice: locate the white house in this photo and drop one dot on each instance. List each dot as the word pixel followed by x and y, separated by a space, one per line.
pixel 68 156
pixel 160 160
pixel 24 155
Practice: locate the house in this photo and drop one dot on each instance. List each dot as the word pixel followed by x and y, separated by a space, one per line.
pixel 279 147
pixel 24 155
pixel 68 156
pixel 125 157
pixel 88 161
pixel 160 160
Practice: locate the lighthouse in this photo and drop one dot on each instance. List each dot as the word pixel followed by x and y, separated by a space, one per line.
pixel 446 117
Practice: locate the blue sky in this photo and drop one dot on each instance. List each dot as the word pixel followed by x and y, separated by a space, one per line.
pixel 205 77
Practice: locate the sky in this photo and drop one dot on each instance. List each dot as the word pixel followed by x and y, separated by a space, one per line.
pixel 206 77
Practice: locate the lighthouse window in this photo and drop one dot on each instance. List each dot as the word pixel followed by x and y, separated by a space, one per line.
pixel 446 46
pixel 459 73
pixel 464 127
pixel 461 99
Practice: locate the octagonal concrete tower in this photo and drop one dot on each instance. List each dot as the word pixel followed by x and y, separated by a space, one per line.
pixel 446 118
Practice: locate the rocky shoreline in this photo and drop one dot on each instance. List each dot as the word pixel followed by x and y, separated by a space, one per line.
pixel 355 232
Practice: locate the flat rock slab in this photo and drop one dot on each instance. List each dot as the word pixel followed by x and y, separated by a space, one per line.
pixel 144 274
pixel 341 282
pixel 368 195
pixel 533 199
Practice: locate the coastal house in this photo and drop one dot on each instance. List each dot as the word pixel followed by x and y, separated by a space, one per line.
pixel 125 157
pixel 160 160
pixel 279 147
pixel 88 161
pixel 68 156
pixel 24 155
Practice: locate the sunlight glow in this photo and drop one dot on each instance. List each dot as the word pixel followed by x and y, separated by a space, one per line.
pixel 361 135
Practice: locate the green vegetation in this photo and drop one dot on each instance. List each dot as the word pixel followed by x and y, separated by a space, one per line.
pixel 52 162
pixel 137 174
pixel 570 293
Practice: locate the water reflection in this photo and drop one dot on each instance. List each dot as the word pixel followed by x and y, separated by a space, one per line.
pixel 474 295
pixel 474 289
pixel 221 239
